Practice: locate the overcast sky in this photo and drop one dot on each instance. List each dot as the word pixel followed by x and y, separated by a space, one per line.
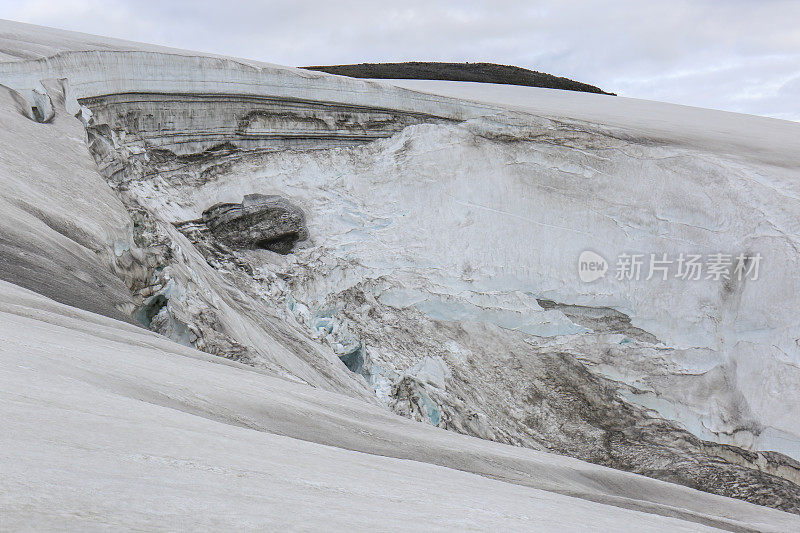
pixel 739 55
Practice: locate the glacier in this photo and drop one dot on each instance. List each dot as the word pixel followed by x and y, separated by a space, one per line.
pixel 437 281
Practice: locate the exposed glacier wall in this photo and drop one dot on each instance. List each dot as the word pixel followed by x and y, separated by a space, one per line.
pixel 187 124
pixel 406 255
pixel 470 189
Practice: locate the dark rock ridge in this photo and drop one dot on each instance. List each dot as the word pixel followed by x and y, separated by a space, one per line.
pixel 261 221
pixel 481 72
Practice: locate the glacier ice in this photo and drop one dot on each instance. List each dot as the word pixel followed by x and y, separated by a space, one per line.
pixel 437 275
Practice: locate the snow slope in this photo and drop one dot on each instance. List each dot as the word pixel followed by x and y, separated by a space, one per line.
pixel 766 139
pixel 110 426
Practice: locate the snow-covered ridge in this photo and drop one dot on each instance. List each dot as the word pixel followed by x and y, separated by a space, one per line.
pixel 98 73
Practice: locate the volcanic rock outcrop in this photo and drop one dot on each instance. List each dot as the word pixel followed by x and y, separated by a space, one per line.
pixel 267 222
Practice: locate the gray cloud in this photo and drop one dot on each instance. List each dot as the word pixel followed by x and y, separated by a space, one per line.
pixel 738 55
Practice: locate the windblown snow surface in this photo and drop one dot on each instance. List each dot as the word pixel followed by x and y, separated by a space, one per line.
pixel 422 352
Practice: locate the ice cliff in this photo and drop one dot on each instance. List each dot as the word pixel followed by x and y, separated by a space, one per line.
pixel 416 249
